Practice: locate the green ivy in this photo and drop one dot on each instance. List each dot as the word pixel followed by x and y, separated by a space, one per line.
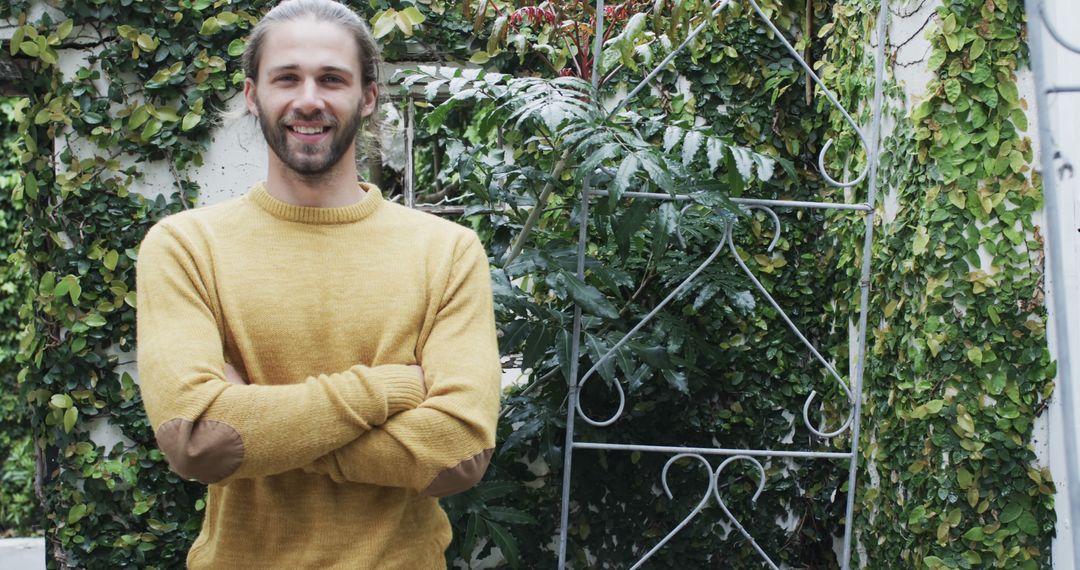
pixel 958 367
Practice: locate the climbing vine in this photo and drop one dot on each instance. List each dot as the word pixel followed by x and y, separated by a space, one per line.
pixel 958 367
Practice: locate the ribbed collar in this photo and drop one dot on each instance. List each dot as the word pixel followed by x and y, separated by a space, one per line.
pixel 307 215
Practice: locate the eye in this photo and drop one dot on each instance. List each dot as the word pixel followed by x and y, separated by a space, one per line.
pixel 333 79
pixel 288 78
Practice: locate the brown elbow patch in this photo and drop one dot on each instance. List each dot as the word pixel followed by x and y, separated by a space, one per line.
pixel 462 477
pixel 205 450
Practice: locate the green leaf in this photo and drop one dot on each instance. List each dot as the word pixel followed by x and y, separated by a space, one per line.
pixel 15 42
pixel 76 513
pixel 588 297
pixel 30 48
pixel 974 533
pixel 975 355
pixel 236 47
pixel 138 116
pixel 146 42
pixel 70 417
pixel 210 26
pixel 412 16
pixel 480 58
pixel 1011 512
pixel 953 89
pixel 471 530
pixel 191 120
pixel 153 127
pixel 30 186
pixel 227 18
pixel 491 490
pixel 964 478
pixel 167 114
pixel 383 23
pixel 936 59
pixel 1019 118
pixel 510 516
pixel 624 176
pixel 65 29
pixel 1027 524
pixel 1008 91
pixel 949 24
pixel 95 320
pixel 506 543
pixel 61 401
pixel 978 45
pixel 922 239
pixel 110 259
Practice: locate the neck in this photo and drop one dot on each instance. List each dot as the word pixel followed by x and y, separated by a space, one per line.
pixel 334 188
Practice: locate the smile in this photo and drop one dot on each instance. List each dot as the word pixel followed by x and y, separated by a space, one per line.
pixel 308 130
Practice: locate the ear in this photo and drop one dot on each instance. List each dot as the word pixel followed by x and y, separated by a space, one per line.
pixel 250 97
pixel 371 97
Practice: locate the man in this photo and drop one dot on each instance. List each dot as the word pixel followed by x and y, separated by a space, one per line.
pixel 325 360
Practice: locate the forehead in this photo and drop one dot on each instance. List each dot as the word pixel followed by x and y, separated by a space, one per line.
pixel 309 44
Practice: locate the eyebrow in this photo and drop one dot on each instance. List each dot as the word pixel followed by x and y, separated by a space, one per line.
pixel 325 68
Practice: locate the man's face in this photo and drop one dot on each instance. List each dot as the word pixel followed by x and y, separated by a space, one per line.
pixel 309 95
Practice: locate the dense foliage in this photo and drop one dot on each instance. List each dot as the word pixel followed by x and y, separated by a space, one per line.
pixel 732 116
pixel 958 366
pixel 19 508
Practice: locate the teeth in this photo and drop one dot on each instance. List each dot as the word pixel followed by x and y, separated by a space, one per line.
pixel 309 130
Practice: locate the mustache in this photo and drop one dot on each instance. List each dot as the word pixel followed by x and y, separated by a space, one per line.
pixel 314 117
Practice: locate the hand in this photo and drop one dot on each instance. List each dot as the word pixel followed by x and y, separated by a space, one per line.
pixel 420 375
pixel 232 375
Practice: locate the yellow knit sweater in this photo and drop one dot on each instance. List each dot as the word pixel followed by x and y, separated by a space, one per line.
pixel 331 457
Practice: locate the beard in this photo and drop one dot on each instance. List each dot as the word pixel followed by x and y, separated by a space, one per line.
pixel 310 160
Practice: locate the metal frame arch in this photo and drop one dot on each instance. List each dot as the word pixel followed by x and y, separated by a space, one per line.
pixel 852 389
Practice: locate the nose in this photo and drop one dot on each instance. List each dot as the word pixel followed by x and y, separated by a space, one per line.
pixel 310 98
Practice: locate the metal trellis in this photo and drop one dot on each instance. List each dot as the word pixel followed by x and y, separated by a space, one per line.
pixel 851 389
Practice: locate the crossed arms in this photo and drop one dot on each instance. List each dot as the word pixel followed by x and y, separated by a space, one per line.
pixel 371 425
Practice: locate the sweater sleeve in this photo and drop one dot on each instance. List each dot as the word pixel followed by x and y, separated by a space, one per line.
pixel 444 445
pixel 213 430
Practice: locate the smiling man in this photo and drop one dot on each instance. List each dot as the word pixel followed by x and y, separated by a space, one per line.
pixel 323 359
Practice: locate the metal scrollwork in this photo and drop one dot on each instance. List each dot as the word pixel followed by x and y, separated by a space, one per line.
pixel 667 490
pixel 607 355
pixel 714 491
pixel 794 329
pixel 828 95
pixel 731 517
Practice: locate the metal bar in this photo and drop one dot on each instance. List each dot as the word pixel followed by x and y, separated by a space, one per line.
pixel 1056 238
pixel 1063 89
pixel 746 201
pixel 575 342
pixel 1050 29
pixel 711 450
pixel 864 297
pixel 664 62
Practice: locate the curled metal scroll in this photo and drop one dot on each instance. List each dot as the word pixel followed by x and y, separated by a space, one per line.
pixel 828 95
pixel 794 329
pixel 711 490
pixel 791 49
pixel 731 517
pixel 626 338
pixel 1054 33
